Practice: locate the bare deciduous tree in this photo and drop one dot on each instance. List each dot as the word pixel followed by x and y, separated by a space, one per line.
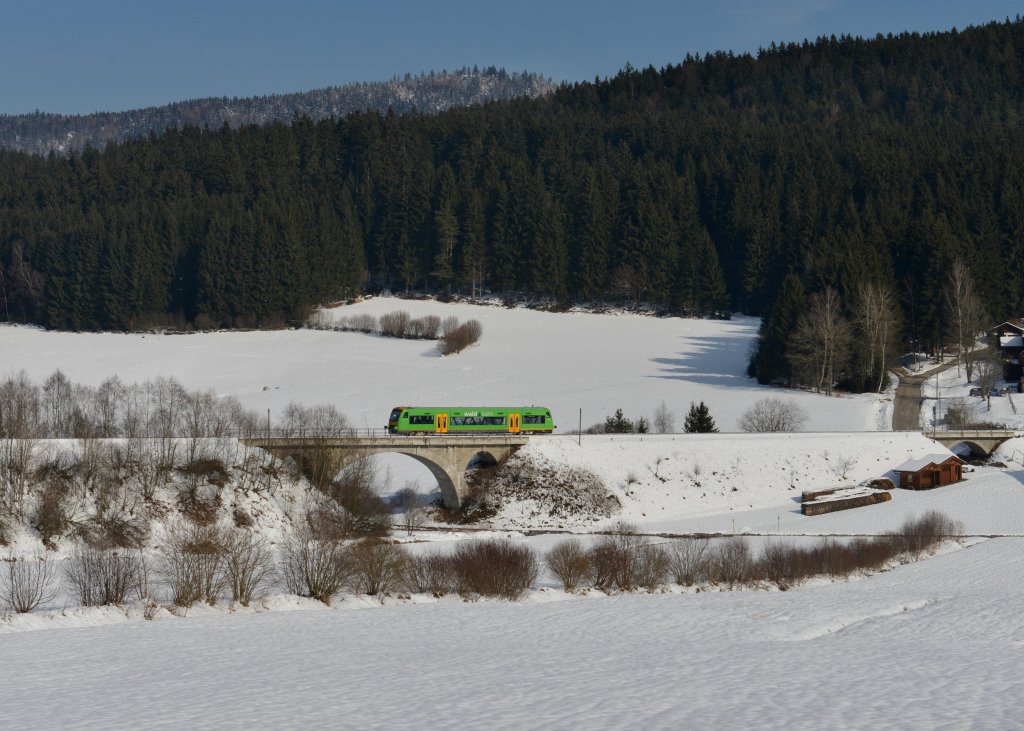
pixel 664 420
pixel 820 345
pixel 25 583
pixel 966 314
pixel 773 415
pixel 21 425
pixel 100 576
pixel 989 369
pixel 378 567
pixel 249 563
pixel 314 567
pixel 876 320
pixel 412 512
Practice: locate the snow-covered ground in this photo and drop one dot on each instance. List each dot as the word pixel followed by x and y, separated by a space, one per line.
pixel 568 362
pixel 932 644
pixel 935 644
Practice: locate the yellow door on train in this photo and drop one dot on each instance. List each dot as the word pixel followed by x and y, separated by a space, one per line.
pixel 513 423
pixel 441 423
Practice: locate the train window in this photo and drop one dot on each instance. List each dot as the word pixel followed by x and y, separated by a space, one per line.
pixel 533 419
pixel 422 419
pixel 494 420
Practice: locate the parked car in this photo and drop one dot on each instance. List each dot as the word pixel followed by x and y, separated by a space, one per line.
pixel 976 392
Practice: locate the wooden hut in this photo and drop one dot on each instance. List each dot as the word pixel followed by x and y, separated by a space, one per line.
pixel 930 471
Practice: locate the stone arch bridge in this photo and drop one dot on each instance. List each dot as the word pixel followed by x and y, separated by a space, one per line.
pixel 981 441
pixel 445 456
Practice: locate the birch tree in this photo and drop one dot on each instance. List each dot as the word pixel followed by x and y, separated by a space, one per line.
pixel 876 320
pixel 820 347
pixel 966 314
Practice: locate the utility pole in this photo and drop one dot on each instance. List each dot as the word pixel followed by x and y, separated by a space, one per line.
pixel 268 423
pixel 579 434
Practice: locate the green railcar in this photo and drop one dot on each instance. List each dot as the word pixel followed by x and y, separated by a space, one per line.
pixel 470 420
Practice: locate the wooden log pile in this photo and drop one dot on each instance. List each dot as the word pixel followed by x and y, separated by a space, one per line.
pixel 818 502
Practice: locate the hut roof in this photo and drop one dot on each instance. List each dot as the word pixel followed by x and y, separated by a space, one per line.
pixel 914 465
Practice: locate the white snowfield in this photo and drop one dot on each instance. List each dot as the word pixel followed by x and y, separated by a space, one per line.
pixel 568 362
pixel 937 643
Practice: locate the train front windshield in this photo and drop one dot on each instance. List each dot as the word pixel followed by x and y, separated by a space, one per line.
pixel 395 413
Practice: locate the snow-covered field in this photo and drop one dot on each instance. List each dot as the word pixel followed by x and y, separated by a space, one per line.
pixel 933 644
pixel 568 362
pixel 936 644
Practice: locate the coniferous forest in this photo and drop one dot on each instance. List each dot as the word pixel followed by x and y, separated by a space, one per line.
pixel 724 183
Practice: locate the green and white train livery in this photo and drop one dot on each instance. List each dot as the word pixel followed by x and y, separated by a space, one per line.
pixel 470 420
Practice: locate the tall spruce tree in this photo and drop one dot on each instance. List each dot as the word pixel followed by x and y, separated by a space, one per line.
pixel 699 420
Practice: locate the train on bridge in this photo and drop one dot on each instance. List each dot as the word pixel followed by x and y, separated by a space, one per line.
pixel 423 420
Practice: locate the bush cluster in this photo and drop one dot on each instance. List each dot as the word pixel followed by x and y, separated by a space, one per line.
pixel 396 324
pixel 624 560
pixel 459 338
pixel 202 563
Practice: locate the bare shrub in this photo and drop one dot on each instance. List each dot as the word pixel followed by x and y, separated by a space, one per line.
pixel 113 528
pixel 28 582
pixel 652 567
pixel 494 568
pixel 688 560
pixel 51 514
pixel 415 329
pixel 199 503
pixel 963 412
pixel 788 565
pixel 841 466
pixel 570 563
pixel 193 565
pixel 364 322
pixel 103 576
pixel 366 514
pixel 773 415
pixel 408 501
pixel 433 574
pixel 449 325
pixel 378 567
pixel 461 337
pixel 730 562
pixel 430 324
pixel 615 558
pixel 249 564
pixel 917 535
pixel 778 565
pixel 314 567
pixel 395 324
pixel 834 558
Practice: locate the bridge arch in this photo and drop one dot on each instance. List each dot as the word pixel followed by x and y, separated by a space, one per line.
pixel 976 450
pixel 446 457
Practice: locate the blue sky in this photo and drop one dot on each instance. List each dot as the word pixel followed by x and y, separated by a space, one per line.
pixel 76 57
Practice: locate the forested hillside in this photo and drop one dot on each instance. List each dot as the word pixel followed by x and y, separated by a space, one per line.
pixel 42 132
pixel 700 188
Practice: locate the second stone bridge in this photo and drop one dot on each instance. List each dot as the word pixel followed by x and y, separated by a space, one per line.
pixel 445 456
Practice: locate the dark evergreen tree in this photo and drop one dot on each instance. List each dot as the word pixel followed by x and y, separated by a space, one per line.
pixel 699 420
